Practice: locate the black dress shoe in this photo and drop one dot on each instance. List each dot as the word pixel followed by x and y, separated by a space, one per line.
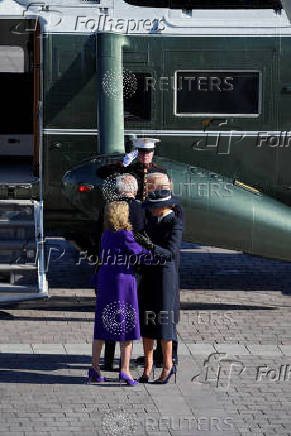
pixel 108 366
pixel 143 379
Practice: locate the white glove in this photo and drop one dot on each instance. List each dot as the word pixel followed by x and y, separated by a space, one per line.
pixel 128 158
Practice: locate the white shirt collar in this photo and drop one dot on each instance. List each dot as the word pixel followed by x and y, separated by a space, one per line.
pixel 166 214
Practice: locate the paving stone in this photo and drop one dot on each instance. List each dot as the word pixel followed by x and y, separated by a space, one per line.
pixel 228 299
pixel 16 348
pixel 48 349
pixel 201 349
pixel 264 350
pixel 78 349
pixel 286 349
pixel 232 349
pixel 137 349
pixel 184 350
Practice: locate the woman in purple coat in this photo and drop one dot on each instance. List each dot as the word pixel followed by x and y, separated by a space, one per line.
pixel 117 312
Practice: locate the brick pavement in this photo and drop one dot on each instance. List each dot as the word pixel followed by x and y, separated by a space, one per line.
pixel 235 352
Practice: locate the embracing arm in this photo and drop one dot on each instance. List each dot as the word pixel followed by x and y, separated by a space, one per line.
pixel 131 246
pixel 173 244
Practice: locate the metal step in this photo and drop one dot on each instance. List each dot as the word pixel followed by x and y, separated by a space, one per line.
pixel 17 202
pixel 22 263
pixel 17 233
pixel 17 267
pixel 20 223
pixel 12 288
pixel 7 298
pixel 17 245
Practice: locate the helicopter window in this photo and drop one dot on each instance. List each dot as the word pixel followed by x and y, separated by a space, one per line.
pixel 233 93
pixel 137 97
pixel 208 4
pixel 15 82
pixel 11 59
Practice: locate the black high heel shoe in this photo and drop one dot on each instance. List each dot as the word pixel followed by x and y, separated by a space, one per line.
pixel 145 379
pixel 159 381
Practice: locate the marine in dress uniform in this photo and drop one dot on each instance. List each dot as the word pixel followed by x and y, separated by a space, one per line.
pixel 140 169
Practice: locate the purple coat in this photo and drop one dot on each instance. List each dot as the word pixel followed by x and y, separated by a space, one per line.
pixel 117 312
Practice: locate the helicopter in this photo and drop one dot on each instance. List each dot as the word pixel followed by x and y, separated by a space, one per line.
pixel 81 79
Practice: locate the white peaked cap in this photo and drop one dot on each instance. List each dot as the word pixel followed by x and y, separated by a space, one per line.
pixel 145 143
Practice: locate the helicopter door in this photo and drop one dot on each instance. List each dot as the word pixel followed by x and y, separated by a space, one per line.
pixel 22 245
pixel 19 82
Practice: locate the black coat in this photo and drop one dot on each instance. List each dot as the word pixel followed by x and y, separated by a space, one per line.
pixel 136 213
pixel 158 289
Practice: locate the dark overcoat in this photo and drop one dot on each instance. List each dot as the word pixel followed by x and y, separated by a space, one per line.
pixel 158 289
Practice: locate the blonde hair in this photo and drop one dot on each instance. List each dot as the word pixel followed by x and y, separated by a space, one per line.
pixel 116 216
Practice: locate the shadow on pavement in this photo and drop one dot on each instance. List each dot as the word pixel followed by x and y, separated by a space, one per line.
pixel 18 366
pixel 208 269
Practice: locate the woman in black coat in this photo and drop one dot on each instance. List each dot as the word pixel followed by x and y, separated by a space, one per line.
pixel 158 290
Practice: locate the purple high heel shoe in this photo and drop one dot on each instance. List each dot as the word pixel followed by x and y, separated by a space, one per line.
pixel 94 377
pixel 127 379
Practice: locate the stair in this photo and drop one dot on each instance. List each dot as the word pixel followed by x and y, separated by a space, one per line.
pixel 22 270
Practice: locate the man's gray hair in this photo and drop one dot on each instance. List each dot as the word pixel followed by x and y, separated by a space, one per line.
pixel 126 183
pixel 158 180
